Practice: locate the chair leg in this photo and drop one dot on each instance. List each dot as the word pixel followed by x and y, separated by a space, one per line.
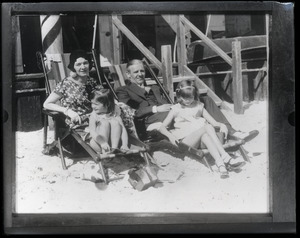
pixel 61 154
pixel 207 164
pixel 45 131
pixel 244 154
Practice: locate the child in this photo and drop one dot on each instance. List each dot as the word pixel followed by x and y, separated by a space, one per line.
pixel 193 125
pixel 107 130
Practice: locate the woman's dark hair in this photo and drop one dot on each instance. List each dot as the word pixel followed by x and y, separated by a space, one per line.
pixel 186 89
pixel 104 96
pixel 78 54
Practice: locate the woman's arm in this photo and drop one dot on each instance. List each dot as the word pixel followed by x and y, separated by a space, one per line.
pixel 50 104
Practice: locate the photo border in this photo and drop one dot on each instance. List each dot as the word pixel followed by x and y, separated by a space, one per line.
pixel 282 169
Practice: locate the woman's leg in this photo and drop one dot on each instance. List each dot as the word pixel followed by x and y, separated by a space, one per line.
pixel 194 139
pixel 115 133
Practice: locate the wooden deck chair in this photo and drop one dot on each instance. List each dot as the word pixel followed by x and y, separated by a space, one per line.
pixel 118 72
pixel 136 147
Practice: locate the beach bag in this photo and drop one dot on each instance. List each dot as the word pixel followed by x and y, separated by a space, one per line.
pixel 142 178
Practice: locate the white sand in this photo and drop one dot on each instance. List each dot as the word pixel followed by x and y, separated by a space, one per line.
pixel 44 187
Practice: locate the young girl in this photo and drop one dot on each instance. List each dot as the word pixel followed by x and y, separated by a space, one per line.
pixel 193 125
pixel 107 130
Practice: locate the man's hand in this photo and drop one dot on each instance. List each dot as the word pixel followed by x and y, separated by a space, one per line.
pixel 164 108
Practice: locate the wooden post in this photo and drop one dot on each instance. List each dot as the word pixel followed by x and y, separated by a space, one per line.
pixel 104 31
pixel 245 82
pixel 266 80
pixel 115 39
pixel 237 77
pixel 167 71
pixel 181 47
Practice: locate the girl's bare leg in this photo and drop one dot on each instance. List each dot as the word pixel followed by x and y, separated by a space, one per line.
pixel 95 146
pixel 194 139
pixel 115 133
pixel 207 140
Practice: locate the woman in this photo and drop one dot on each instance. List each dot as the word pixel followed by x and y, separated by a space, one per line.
pixel 74 91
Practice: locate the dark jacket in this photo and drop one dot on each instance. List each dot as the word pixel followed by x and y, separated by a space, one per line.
pixel 137 98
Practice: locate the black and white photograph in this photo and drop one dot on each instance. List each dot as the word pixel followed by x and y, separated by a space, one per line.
pixel 142 112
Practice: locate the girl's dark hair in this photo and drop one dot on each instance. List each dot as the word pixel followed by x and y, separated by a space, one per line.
pixel 104 96
pixel 186 89
pixel 78 54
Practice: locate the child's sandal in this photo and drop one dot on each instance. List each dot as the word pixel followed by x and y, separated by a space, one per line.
pixel 223 172
pixel 232 166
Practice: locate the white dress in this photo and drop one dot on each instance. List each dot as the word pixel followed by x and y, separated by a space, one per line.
pixel 187 120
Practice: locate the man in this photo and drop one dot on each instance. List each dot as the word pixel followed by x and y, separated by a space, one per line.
pixel 152 106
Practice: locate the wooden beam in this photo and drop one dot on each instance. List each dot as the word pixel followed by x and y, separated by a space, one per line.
pixel 147 53
pixel 115 41
pixel 181 47
pixel 237 77
pixel 206 40
pixel 167 70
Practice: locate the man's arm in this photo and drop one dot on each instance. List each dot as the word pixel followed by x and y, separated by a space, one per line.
pixel 142 109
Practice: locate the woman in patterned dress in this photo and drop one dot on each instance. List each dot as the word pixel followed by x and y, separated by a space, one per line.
pixel 74 91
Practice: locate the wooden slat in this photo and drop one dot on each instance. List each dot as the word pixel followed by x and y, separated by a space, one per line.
pixel 206 40
pixel 167 72
pixel 136 42
pixel 237 77
pixel 31 90
pixel 29 76
pixel 181 46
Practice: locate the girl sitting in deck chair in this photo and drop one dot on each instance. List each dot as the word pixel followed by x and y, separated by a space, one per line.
pixel 106 127
pixel 193 125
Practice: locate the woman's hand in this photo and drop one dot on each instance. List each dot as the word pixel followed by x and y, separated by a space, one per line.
pixel 105 147
pixel 74 116
pixel 224 129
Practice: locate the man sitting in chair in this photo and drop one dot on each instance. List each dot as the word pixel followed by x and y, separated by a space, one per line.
pixel 153 107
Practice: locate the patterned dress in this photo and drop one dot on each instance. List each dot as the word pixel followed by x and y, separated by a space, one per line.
pixel 76 96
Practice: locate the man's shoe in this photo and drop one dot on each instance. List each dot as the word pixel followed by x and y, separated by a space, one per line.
pixel 246 136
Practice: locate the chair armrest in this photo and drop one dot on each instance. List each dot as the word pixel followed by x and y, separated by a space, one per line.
pixel 53 114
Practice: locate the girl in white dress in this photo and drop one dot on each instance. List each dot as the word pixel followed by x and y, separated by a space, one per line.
pixel 106 127
pixel 192 124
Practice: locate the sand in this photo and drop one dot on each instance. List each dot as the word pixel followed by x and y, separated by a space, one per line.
pixel 187 185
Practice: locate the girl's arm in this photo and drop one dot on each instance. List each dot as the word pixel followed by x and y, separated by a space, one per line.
pixel 163 128
pixel 214 123
pixel 92 126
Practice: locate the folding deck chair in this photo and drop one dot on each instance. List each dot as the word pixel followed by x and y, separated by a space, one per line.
pixel 118 76
pixel 135 145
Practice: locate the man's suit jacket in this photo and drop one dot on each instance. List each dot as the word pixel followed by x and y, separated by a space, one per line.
pixel 134 96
